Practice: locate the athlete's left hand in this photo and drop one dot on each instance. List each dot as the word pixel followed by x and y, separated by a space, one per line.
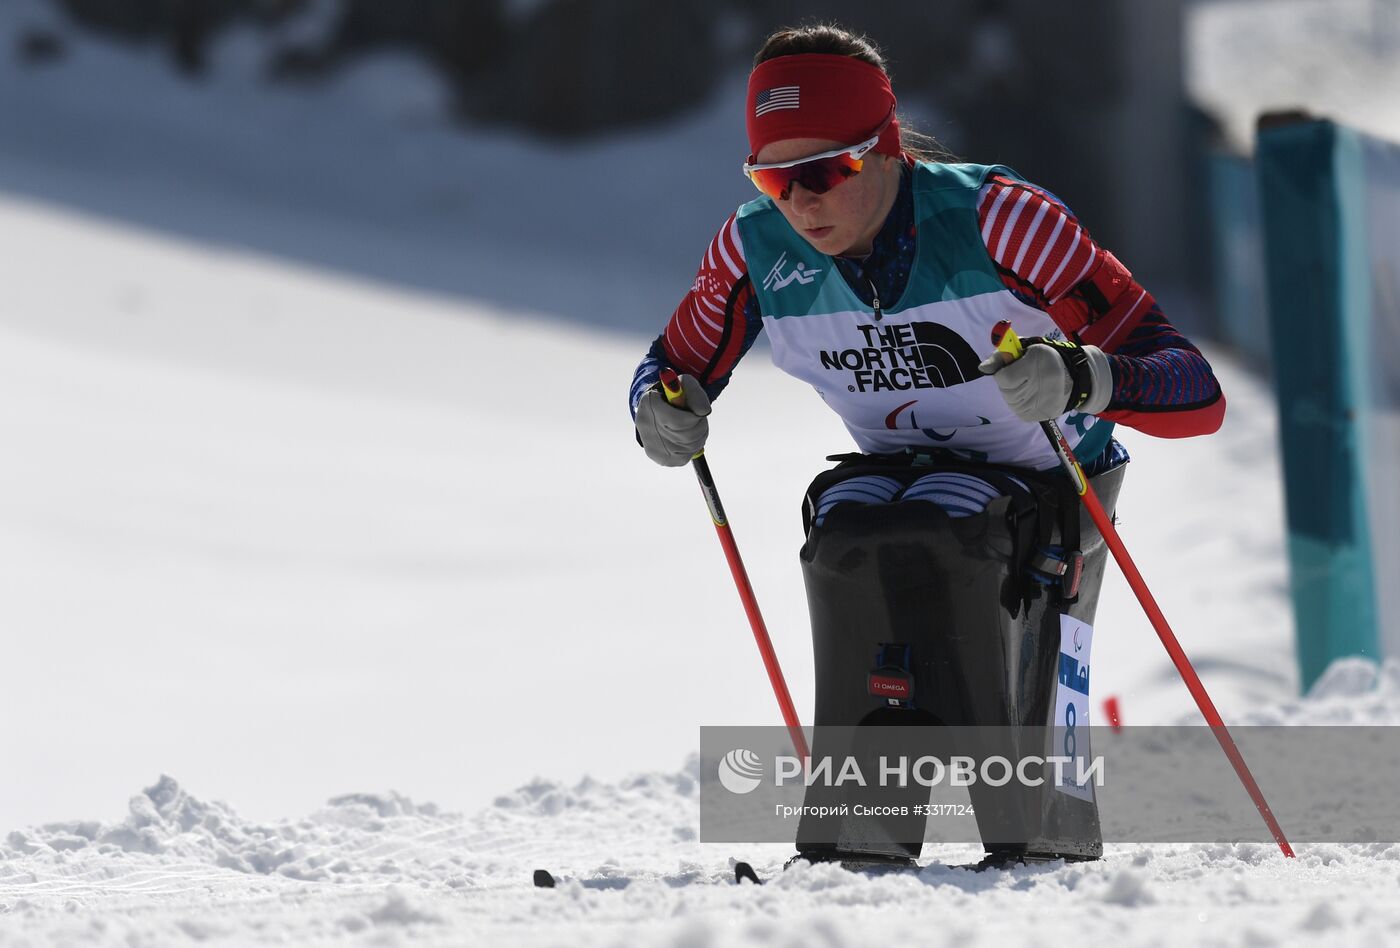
pixel 1051 378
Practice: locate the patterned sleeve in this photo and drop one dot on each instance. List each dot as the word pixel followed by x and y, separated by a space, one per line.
pixel 715 324
pixel 1162 385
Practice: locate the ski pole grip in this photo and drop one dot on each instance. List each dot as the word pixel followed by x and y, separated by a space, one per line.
pixel 671 388
pixel 1006 340
pixel 675 395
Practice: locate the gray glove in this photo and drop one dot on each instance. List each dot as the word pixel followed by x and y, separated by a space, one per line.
pixel 1052 377
pixel 673 435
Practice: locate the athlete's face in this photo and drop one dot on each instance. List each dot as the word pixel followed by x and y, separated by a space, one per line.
pixel 845 219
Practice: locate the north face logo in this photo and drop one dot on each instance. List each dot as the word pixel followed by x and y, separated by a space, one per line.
pixel 900 358
pixel 776 280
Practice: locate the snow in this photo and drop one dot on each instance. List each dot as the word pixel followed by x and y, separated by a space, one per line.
pixel 362 173
pixel 1334 58
pixel 378 868
pixel 301 510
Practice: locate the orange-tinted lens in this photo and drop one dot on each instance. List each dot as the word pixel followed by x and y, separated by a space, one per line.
pixel 818 176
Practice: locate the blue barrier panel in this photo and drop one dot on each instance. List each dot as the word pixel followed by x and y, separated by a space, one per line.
pixel 1237 256
pixel 1320 255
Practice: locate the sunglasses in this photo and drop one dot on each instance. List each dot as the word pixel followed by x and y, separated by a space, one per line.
pixel 817 173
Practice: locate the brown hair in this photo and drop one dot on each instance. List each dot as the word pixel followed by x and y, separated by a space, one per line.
pixel 836 40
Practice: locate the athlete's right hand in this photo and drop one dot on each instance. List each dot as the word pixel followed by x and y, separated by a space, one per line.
pixel 672 434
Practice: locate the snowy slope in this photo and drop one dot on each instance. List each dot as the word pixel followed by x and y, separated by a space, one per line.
pixel 291 537
pixel 297 505
pixel 269 518
pixel 319 534
pixel 365 173
pixel 380 869
pixel 268 521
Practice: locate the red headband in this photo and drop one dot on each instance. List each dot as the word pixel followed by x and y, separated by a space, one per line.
pixel 817 95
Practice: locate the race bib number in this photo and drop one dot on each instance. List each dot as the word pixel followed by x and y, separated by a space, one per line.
pixel 1071 731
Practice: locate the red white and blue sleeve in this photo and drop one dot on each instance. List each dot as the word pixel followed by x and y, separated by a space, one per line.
pixel 1162 385
pixel 715 324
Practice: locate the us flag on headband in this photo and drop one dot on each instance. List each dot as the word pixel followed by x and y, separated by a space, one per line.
pixel 771 100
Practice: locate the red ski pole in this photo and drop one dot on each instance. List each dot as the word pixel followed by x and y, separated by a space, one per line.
pixel 671 387
pixel 1006 340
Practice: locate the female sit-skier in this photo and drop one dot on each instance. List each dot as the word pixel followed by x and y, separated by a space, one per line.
pixel 947 565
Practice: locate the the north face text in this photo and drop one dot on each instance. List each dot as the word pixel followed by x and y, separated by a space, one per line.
pixel 911 356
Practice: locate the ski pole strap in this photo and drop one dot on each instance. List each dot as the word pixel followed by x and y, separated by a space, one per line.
pixel 1006 340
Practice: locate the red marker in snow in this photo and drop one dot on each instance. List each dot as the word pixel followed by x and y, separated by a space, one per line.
pixel 1110 710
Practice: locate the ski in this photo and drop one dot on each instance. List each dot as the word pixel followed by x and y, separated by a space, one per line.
pixel 745 872
pixel 878 867
pixel 544 879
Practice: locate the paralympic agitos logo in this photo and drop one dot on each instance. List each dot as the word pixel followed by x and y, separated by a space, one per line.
pixel 900 358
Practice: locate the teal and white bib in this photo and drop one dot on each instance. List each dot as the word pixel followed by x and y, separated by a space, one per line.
pixel 909 378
